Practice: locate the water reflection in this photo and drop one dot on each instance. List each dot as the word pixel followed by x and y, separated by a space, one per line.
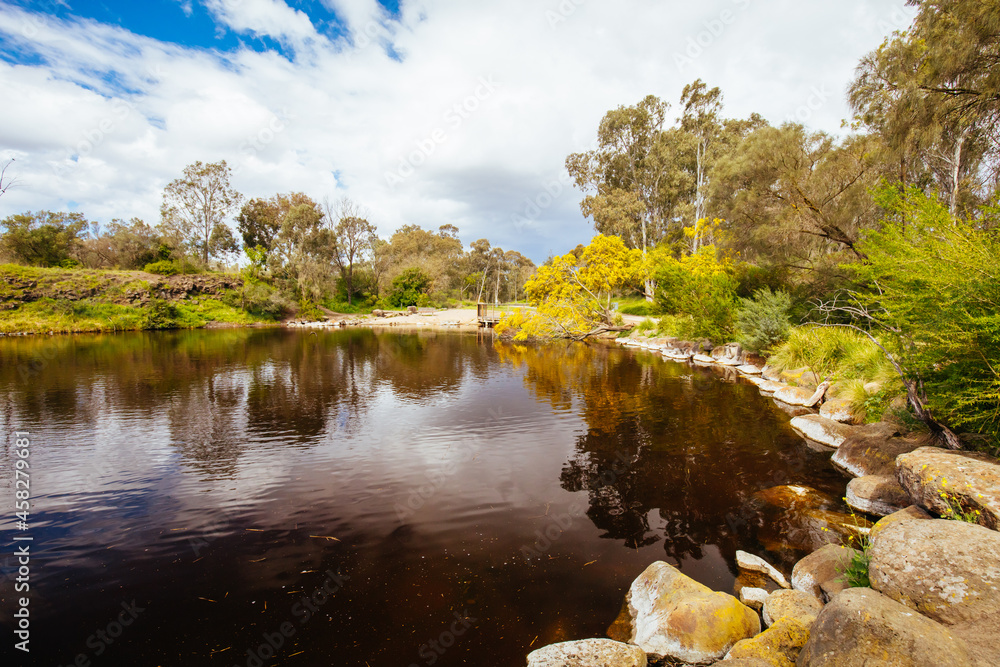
pixel 216 477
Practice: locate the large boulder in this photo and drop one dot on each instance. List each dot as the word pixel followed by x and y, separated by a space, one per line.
pixel 796 520
pixel 802 606
pixel 800 377
pixel 861 627
pixel 778 646
pixel 936 478
pixel 801 396
pixel 874 494
pixel 872 450
pixel 821 573
pixel 911 513
pixel 669 615
pixel 820 429
pixel 748 369
pixel 588 653
pixel 838 409
pixel 948 571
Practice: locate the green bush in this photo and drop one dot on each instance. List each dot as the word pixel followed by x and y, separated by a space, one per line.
pixel 700 291
pixel 938 295
pixel 259 299
pixel 763 320
pixel 162 268
pixel 409 289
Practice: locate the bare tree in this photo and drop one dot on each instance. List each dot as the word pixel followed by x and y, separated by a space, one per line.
pixel 5 182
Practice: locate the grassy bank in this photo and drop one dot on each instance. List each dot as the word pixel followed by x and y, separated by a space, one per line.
pixel 36 300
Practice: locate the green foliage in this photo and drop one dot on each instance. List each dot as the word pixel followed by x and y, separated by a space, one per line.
pixel 956 510
pixel 763 321
pixel 855 572
pixel 309 311
pixel 162 268
pixel 645 325
pixel 408 288
pixel 699 290
pixel 834 352
pixel 259 299
pixel 44 238
pixel 636 306
pixel 939 294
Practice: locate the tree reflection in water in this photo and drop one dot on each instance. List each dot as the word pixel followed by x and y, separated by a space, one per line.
pixel 669 455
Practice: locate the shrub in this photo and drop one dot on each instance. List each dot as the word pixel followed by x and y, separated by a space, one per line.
pixel 700 288
pixel 162 268
pixel 763 321
pixel 408 288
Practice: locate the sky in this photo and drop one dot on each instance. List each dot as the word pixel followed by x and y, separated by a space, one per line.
pixel 424 112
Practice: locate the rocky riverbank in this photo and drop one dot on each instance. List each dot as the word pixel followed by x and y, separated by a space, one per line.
pixel 932 557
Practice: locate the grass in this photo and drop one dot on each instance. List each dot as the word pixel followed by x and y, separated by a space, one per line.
pixel 51 310
pixel 849 360
pixel 62 316
pixel 637 305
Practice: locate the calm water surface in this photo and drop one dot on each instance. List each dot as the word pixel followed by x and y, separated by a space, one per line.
pixel 268 497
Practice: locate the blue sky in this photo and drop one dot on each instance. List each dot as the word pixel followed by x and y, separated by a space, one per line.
pixel 425 112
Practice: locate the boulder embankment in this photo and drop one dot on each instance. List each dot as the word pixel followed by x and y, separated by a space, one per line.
pixel 911 579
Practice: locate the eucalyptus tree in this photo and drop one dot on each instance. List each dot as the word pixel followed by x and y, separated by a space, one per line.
pixel 794 197
pixel 932 94
pixel 195 207
pixel 352 237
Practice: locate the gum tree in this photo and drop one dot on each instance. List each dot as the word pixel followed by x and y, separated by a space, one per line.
pixel 196 205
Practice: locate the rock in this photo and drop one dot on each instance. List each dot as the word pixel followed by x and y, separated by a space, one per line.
pixel 948 571
pixel 793 411
pixel 800 377
pixel 821 570
pixel 750 580
pixel 968 478
pixel 588 653
pixel 378 313
pixel 765 386
pixel 704 358
pixel 820 429
pixel 801 396
pixel 802 606
pixel 874 494
pixel 753 597
pixel 411 310
pixel 778 646
pixel 799 520
pixel 837 409
pixel 911 513
pixel 748 369
pixel 861 627
pixel 670 615
pixel 769 373
pixel 872 387
pixel 872 450
pixel 744 662
pixel 746 561
pixel 729 354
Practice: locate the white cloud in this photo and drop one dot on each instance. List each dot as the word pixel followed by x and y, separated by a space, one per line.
pixel 339 116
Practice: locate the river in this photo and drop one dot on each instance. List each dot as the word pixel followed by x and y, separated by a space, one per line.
pixel 275 497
